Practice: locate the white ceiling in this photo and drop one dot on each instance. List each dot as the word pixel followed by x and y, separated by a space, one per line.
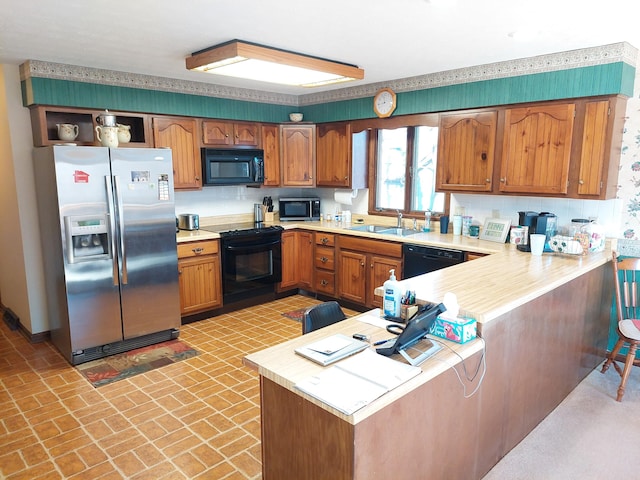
pixel 389 39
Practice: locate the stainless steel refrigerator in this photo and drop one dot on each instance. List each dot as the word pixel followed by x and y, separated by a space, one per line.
pixel 108 234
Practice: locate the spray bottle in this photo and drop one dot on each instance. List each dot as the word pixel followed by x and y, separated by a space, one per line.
pixel 392 295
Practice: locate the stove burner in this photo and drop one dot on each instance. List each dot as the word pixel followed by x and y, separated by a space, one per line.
pixel 243 230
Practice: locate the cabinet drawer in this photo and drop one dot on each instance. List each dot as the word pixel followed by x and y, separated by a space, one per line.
pixel 194 249
pixel 325 282
pixel 325 258
pixel 326 239
pixel 362 245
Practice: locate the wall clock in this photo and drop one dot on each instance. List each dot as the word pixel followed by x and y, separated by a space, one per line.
pixel 384 102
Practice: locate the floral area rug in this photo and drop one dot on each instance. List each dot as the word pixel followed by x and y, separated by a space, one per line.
pixel 128 364
pixel 295 314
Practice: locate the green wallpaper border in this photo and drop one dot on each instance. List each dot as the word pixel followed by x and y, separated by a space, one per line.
pixel 45 91
pixel 607 79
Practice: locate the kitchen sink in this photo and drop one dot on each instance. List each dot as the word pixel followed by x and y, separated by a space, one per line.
pixel 370 228
pixel 384 229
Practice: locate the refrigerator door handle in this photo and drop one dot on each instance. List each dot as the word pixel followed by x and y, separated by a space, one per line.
pixel 120 208
pixel 112 231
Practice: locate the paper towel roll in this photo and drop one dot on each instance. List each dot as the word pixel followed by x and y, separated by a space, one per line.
pixel 345 197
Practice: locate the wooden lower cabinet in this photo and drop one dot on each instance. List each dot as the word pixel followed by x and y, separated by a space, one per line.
pixel 363 265
pixel 324 262
pixel 297 260
pixel 305 259
pixel 200 276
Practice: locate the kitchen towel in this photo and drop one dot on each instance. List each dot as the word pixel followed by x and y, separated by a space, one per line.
pixel 345 197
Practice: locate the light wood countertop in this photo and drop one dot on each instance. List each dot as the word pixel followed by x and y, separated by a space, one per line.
pixel 283 366
pixel 487 287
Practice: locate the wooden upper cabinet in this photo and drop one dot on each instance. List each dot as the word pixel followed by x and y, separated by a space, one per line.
pixel 298 149
pixel 271 148
pixel 537 149
pixel 593 148
pixel 223 133
pixel 180 134
pixel 341 156
pixel 600 149
pixel 466 151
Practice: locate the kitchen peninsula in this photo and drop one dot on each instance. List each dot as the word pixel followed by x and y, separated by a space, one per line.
pixel 545 323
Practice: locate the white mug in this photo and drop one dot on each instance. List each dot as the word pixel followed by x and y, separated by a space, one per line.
pixel 107 136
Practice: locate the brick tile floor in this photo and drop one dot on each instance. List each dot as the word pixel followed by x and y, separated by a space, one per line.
pixel 196 419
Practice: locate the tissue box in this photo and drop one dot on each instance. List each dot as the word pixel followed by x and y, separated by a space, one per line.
pixel 460 330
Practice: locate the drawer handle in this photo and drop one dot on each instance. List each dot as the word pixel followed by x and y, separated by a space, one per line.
pixel 324 283
pixel 197 250
pixel 325 240
pixel 324 259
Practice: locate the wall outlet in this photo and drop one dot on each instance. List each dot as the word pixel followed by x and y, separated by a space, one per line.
pixel 495 213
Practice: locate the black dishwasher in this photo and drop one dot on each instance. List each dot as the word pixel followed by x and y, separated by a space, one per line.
pixel 419 259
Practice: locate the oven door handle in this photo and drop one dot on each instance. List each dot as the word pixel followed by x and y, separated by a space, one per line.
pixel 251 247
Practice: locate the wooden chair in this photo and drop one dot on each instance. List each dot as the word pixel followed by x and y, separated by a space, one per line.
pixel 627 282
pixel 321 315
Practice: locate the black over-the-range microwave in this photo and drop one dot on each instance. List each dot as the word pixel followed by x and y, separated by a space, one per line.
pixel 232 166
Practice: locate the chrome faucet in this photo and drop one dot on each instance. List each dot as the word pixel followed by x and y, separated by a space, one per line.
pixel 399 219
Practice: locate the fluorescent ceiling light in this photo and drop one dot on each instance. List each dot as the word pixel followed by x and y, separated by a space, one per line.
pixel 256 62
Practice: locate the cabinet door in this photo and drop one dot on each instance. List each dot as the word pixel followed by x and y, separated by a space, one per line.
pixel 217 133
pixel 466 151
pixel 179 134
pixel 271 147
pixel 247 134
pixel 289 261
pixel 200 284
pixel 305 260
pixel 333 155
pixel 298 155
pixel 352 276
pixel 594 143
pixel 379 273
pixel 537 149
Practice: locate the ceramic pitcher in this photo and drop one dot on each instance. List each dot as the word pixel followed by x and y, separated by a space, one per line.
pixel 107 136
pixel 124 133
pixel 67 131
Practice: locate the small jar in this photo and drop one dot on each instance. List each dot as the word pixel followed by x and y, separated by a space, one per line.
pixel 596 236
pixel 576 226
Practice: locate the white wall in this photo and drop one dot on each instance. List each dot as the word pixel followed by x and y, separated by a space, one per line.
pixel 229 200
pixel 21 275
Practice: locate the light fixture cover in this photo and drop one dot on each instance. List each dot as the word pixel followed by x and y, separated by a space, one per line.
pixel 257 62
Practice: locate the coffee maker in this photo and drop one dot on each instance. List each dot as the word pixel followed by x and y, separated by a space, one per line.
pixel 545 223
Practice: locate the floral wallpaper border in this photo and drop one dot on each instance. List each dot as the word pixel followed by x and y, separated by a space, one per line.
pixel 629 176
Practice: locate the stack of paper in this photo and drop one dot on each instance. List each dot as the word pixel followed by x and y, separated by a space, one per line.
pixel 357 381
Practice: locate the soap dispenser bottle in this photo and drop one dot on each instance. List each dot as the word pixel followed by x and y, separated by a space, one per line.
pixel 392 295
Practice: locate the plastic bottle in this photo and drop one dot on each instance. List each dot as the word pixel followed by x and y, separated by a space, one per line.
pixel 427 221
pixel 392 295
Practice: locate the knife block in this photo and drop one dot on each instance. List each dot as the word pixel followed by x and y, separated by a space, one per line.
pixel 268 216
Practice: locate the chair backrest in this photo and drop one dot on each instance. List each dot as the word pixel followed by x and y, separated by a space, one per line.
pixel 321 315
pixel 626 276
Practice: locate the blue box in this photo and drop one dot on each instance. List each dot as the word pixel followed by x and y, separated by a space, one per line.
pixel 460 330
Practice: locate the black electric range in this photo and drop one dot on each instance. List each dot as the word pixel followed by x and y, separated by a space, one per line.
pixel 251 258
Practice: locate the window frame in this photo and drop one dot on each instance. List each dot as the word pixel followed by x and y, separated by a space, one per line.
pixel 373 170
